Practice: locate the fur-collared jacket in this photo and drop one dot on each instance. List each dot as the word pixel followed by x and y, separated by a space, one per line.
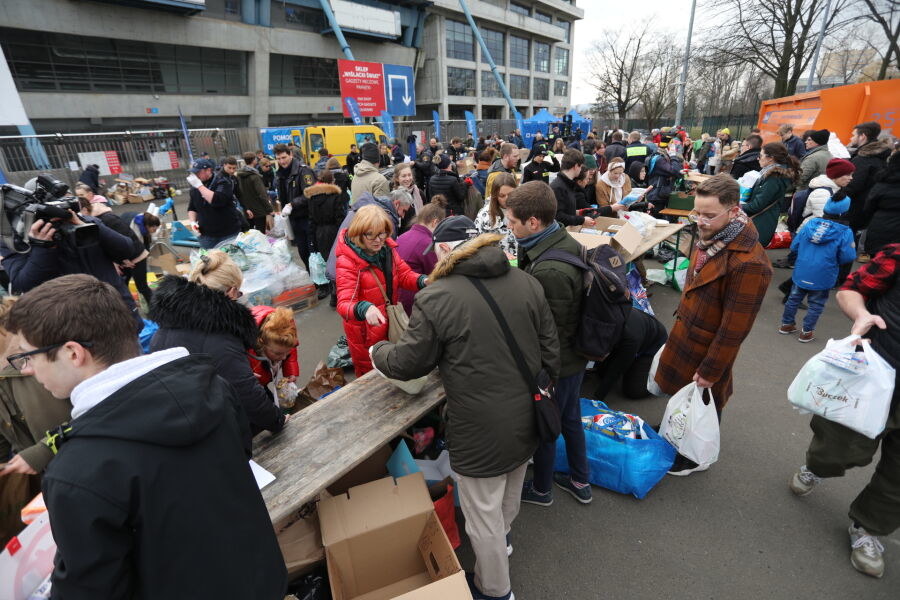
pixel 764 204
pixel 206 321
pixel 491 427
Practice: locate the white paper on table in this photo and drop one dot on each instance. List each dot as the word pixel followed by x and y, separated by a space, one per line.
pixel 263 477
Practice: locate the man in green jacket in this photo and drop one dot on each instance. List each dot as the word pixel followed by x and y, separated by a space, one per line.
pixel 251 191
pixel 531 213
pixel 492 430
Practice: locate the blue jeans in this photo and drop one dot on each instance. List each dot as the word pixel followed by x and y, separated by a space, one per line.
pixel 816 300
pixel 209 242
pixel 568 393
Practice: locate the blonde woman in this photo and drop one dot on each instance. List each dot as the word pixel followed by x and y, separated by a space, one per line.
pixel 202 314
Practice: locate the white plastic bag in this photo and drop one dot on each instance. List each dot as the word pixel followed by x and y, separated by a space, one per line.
pixel 748 179
pixel 836 148
pixel 317 269
pixel 652 386
pixel 277 230
pixel 692 426
pixel 288 230
pixel 847 386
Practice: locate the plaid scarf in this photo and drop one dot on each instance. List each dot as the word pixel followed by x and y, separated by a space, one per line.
pixel 712 246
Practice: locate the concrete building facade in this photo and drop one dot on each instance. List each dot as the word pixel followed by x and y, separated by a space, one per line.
pixel 108 65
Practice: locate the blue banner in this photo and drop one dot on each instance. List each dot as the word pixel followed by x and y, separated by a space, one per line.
pixel 187 137
pixel 437 124
pixel 520 123
pixel 471 124
pixel 353 109
pixel 387 124
pixel 2 177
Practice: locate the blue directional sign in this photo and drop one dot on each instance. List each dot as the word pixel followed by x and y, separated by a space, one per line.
pixel 399 90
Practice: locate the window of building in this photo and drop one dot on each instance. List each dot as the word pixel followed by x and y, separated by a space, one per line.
pixel 489 86
pixel 308 19
pixel 520 8
pixel 566 27
pixel 460 82
pixel 541 89
pixel 460 42
pixel 491 112
pixel 561 88
pixel 518 86
pixel 494 40
pixel 518 52
pixel 543 17
pixel 232 7
pixel 63 62
pixel 542 57
pixel 303 76
pixel 561 62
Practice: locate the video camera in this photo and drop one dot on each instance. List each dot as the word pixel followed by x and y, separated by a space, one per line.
pixel 48 200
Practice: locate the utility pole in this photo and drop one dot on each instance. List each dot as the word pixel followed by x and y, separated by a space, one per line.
pixel 815 60
pixel 684 68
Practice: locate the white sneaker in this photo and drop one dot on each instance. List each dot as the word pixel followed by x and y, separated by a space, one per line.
pixel 803 481
pixel 866 552
pixel 508 547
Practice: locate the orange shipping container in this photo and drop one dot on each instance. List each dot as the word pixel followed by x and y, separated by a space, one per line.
pixel 837 109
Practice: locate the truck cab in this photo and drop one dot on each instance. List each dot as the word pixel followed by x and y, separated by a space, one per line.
pixel 337 139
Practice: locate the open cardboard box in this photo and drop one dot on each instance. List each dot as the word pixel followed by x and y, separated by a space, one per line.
pixel 625 240
pixel 383 541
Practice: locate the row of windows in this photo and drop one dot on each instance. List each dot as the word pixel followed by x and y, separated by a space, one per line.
pixel 63 62
pixel 521 9
pixel 461 82
pixel 303 76
pixel 461 45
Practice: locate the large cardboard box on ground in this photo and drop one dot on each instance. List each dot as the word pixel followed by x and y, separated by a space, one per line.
pixel 383 541
pixel 625 239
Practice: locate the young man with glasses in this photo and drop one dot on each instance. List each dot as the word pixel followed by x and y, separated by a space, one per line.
pixel 150 494
pixel 726 283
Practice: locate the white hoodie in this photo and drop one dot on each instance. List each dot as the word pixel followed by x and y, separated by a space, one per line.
pixel 815 202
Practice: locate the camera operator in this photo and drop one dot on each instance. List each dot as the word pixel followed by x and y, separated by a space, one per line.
pixel 211 205
pixel 53 250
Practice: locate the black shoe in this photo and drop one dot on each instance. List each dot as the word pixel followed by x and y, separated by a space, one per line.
pixel 782 263
pixel 333 302
pixel 322 291
pixel 685 466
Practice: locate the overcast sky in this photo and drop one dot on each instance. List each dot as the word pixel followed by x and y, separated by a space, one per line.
pixel 672 15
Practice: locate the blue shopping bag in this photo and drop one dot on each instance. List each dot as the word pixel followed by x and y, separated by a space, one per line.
pixel 146 335
pixel 618 462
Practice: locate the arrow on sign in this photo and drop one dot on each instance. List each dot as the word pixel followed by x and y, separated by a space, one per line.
pixel 406 98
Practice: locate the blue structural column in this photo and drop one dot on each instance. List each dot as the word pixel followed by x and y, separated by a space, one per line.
pixel 248 11
pixel 487 55
pixel 338 34
pixel 35 148
pixel 265 13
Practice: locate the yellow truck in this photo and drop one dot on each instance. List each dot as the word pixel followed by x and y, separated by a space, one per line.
pixel 310 138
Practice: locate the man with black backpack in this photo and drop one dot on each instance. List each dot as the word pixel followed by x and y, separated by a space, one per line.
pixel 546 251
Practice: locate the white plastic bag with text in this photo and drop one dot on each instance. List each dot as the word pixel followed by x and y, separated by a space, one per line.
pixel 692 426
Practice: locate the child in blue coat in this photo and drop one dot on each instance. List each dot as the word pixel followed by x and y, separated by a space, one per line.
pixel 822 245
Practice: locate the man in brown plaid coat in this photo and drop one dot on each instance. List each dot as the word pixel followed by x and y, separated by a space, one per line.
pixel 726 283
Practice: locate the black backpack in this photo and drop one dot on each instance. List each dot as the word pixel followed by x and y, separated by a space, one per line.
pixel 607 302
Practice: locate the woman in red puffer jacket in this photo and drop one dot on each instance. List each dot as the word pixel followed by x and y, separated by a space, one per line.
pixel 276 350
pixel 364 253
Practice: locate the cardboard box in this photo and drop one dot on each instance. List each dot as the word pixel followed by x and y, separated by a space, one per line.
pixel 383 541
pixel 625 239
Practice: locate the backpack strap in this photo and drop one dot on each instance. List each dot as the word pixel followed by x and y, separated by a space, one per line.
pixel 563 257
pixel 514 349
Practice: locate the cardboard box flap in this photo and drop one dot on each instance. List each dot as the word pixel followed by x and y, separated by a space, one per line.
pixel 448 588
pixel 373 506
pixel 440 559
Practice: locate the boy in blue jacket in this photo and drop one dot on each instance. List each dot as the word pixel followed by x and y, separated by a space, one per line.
pixel 822 245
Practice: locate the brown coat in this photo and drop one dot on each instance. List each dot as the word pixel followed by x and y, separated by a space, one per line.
pixel 604 191
pixel 717 310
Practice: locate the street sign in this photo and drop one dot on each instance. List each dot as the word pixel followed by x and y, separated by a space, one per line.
pixel 377 87
pixel 363 81
pixel 399 90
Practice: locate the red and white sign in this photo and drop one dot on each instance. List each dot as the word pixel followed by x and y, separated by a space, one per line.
pixel 107 160
pixel 164 161
pixel 112 159
pixel 365 82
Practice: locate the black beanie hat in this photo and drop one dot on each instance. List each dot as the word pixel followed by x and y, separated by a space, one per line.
pixel 820 136
pixel 369 152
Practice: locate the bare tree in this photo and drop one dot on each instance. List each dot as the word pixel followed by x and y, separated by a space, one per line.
pixel 616 64
pixel 885 14
pixel 660 90
pixel 777 37
pixel 844 58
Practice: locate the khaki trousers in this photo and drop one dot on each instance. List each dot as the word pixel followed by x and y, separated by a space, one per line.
pixel 490 505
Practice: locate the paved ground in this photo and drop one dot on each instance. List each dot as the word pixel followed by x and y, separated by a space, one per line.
pixel 734 532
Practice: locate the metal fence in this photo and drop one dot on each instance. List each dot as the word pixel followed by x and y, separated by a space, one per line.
pixel 739 125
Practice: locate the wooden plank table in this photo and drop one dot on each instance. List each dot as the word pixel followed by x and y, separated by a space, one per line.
pixel 322 443
pixel 660 234
pixel 677 212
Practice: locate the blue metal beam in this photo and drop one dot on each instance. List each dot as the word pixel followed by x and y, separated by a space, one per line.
pixel 487 55
pixel 332 20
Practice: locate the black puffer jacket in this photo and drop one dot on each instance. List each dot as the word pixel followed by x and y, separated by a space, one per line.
pixel 206 321
pixel 566 192
pixel 327 209
pixel 883 210
pixel 744 163
pixel 448 184
pixel 869 160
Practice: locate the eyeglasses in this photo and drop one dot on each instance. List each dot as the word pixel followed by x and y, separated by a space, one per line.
pixel 376 236
pixel 693 217
pixel 20 361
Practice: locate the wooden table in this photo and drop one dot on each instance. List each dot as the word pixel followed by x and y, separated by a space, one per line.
pixel 677 212
pixel 660 233
pixel 325 441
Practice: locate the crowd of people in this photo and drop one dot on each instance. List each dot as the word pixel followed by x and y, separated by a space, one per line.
pixel 471 241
